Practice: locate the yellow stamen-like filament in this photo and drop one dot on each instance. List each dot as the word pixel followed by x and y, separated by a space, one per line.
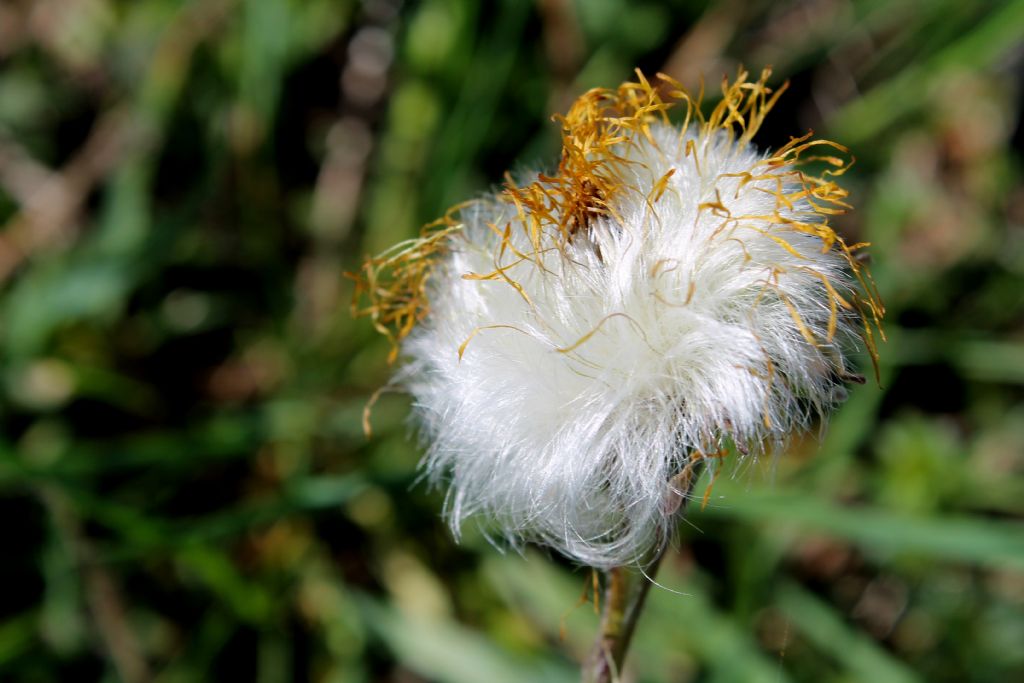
pixel 552 210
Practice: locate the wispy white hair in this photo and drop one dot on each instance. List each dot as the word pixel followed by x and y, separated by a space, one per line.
pixel 562 389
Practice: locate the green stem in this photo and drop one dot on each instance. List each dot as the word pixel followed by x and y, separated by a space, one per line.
pixel 625 594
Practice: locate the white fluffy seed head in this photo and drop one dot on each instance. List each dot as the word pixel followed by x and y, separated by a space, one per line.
pixel 592 334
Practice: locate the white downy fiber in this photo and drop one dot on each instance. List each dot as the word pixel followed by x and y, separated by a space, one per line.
pixel 567 381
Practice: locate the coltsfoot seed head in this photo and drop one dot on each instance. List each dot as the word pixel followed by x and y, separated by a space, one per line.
pixel 578 340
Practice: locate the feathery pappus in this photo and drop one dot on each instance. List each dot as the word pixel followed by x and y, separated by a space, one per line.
pixel 576 342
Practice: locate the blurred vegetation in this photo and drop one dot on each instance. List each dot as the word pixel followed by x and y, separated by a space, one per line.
pixel 187 489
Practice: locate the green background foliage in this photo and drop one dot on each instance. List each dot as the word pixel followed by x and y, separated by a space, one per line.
pixel 186 489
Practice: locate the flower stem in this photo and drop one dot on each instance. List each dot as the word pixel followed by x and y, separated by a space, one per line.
pixel 624 597
pixel 625 593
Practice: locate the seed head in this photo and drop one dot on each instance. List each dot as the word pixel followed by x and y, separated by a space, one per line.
pixel 578 341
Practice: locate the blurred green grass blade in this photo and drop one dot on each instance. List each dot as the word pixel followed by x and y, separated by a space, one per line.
pixel 867 116
pixel 186 25
pixel 191 544
pixel 447 652
pixel 17 636
pixel 324 491
pixel 977 356
pixel 468 124
pixel 95 280
pixel 986 542
pixel 309 493
pixel 126 213
pixel 52 294
pixel 275 654
pixel 147 534
pixel 251 601
pixel 549 597
pixel 990 360
pixel 116 389
pixel 314 23
pixel 848 429
pixel 684 616
pixel 211 634
pixel 822 626
pixel 63 620
pixel 266 29
pixel 222 437
pixel 681 618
